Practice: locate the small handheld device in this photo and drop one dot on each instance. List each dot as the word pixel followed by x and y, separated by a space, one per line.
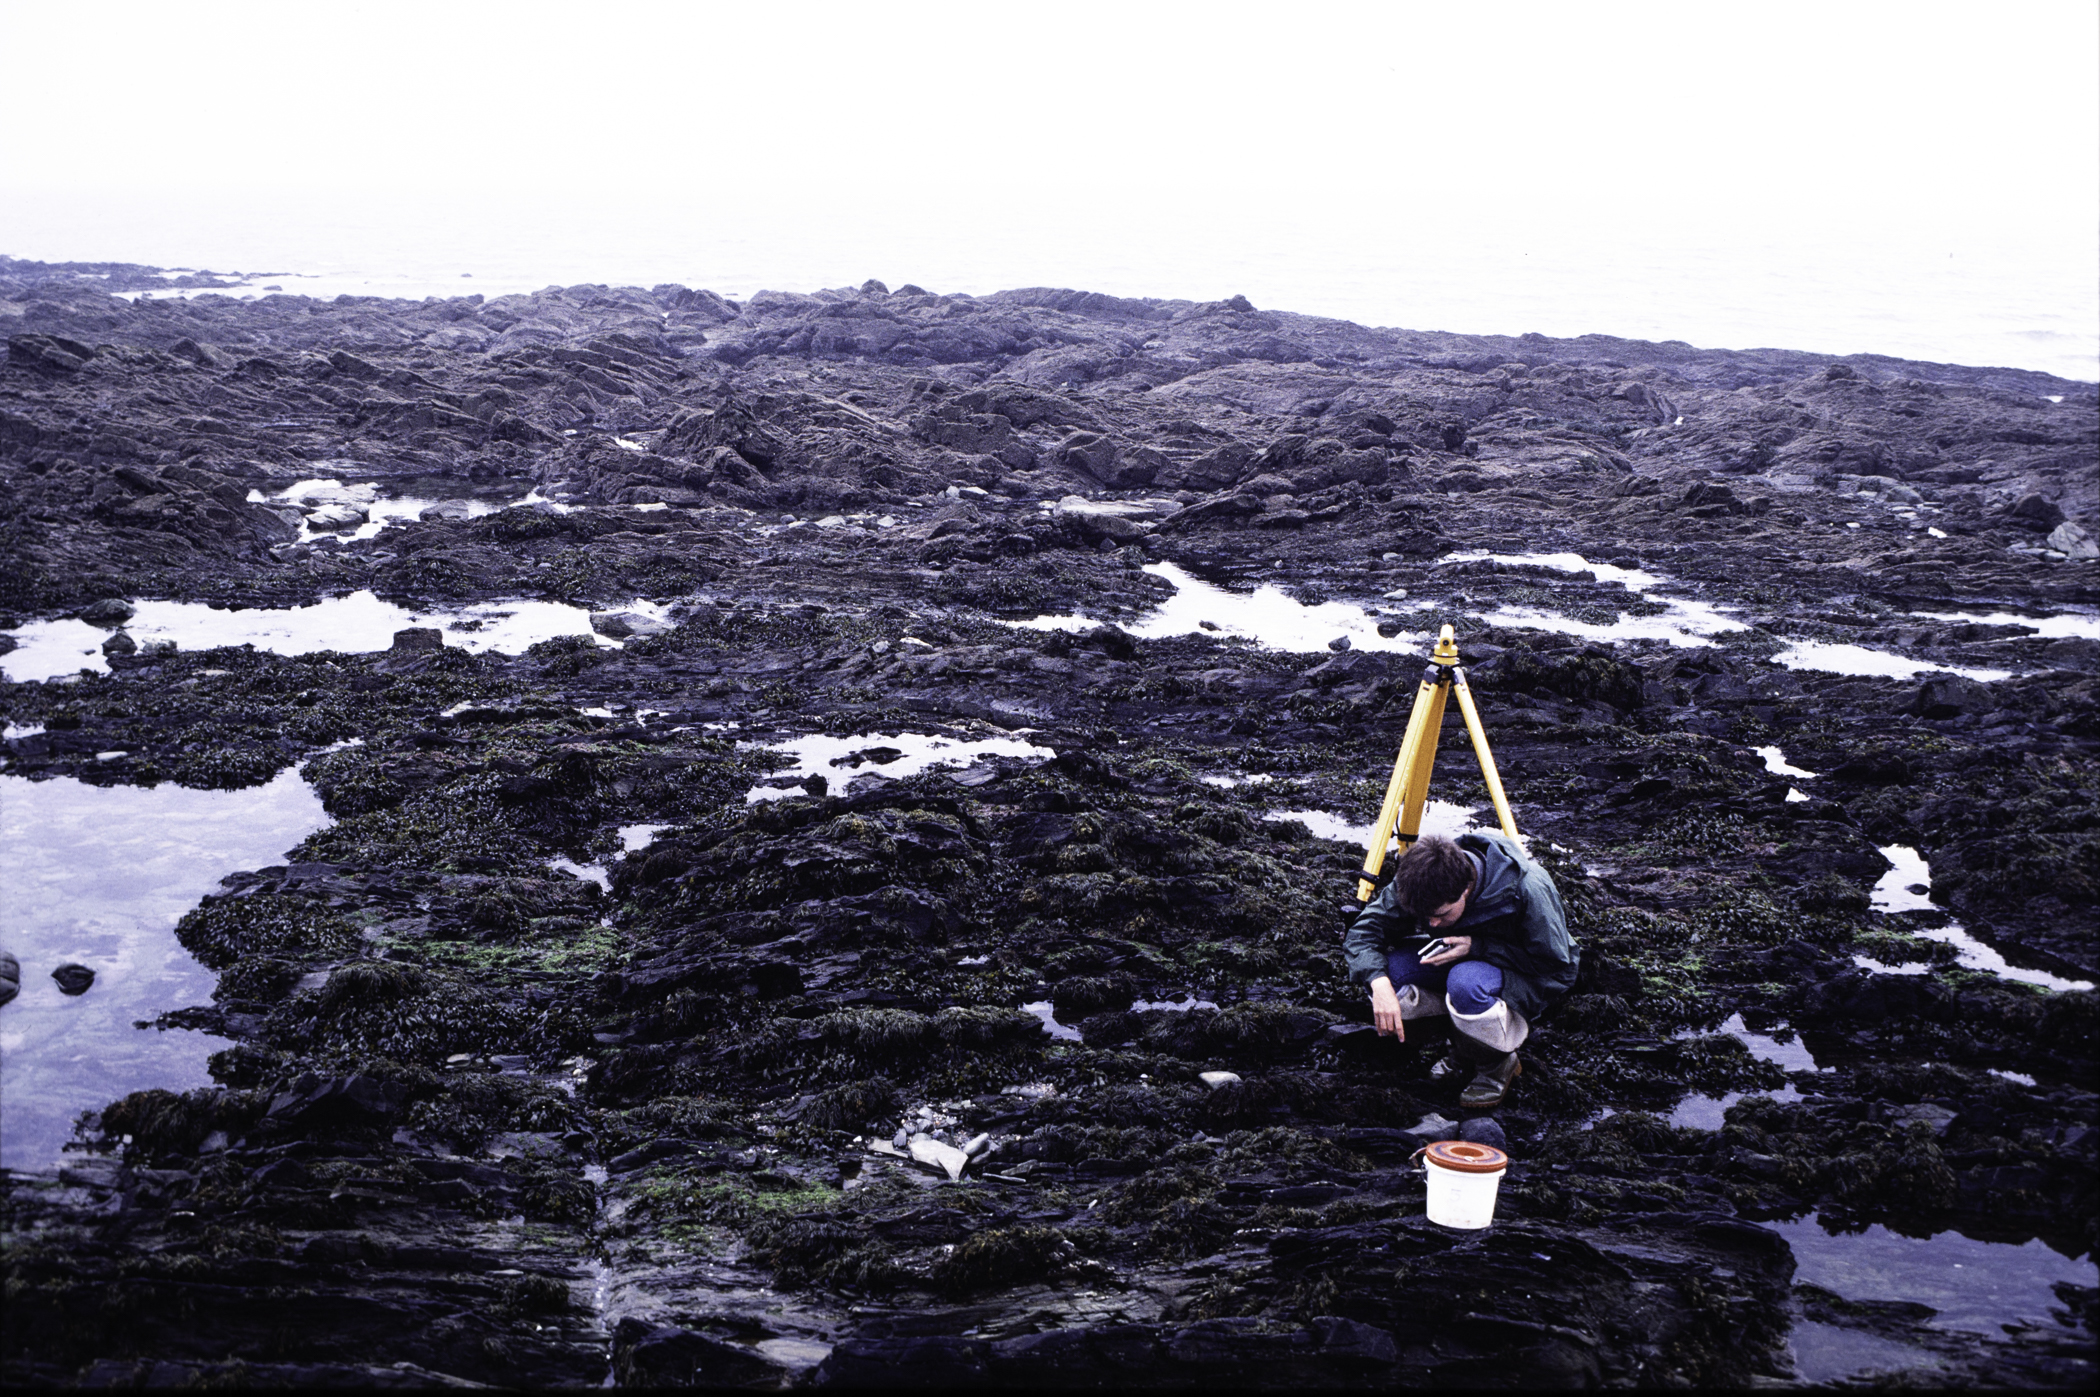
pixel 1434 948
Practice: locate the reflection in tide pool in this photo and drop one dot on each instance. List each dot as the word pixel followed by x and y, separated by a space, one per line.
pixel 1832 658
pixel 1907 887
pixel 1268 615
pixel 1702 1112
pixel 1632 579
pixel 1042 1010
pixel 1828 1352
pixel 359 622
pixel 100 875
pixel 2064 625
pixel 1974 1285
pixel 894 755
pixel 1686 624
pixel 310 496
pixel 1438 817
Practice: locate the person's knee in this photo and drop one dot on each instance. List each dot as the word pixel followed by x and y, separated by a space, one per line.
pixel 1473 987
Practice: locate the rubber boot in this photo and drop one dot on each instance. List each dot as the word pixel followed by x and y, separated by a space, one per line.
pixel 1493 1071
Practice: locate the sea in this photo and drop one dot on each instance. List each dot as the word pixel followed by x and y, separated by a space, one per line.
pixel 2000 294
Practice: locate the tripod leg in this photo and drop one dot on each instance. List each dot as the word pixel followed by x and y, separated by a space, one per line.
pixel 1430 693
pixel 1424 762
pixel 1487 758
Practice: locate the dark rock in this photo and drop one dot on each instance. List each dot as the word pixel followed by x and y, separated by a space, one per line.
pixel 73 979
pixel 665 1355
pixel 1950 696
pixel 419 638
pixel 1484 1130
pixel 2036 513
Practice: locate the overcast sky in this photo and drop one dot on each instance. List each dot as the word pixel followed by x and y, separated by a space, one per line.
pixel 1922 126
pixel 1772 113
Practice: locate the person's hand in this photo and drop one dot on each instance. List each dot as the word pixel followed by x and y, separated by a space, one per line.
pixel 1455 948
pixel 1385 1010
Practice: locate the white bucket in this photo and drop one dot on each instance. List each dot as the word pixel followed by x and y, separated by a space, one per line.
pixel 1463 1181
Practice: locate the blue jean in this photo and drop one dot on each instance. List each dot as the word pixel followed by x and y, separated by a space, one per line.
pixel 1473 986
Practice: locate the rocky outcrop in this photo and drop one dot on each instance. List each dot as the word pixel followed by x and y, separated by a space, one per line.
pixel 1040 1068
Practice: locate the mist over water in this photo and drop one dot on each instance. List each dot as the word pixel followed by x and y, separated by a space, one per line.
pixel 2024 298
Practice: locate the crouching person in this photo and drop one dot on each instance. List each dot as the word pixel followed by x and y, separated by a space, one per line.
pixel 1497 952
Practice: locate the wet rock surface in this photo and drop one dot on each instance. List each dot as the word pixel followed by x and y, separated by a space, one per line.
pixel 556 1056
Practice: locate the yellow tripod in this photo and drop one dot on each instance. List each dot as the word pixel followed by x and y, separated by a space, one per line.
pixel 1408 791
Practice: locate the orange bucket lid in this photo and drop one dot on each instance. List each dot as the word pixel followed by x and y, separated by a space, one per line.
pixel 1467 1157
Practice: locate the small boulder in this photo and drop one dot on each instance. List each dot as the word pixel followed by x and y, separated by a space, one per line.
pixel 2034 512
pixel 1214 1080
pixel 109 613
pixel 120 644
pixel 417 638
pixel 1484 1130
pixel 927 1150
pixel 620 625
pixel 73 978
pixel 2074 541
pixel 443 509
pixel 1950 696
pixel 10 977
pixel 333 518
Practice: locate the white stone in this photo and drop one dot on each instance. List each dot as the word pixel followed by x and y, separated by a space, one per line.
pixel 927 1150
pixel 331 517
pixel 2073 541
pixel 1214 1080
pixel 622 624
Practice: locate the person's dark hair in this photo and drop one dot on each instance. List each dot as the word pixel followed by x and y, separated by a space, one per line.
pixel 1434 873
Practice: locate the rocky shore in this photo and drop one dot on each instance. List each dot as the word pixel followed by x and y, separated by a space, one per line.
pixel 558 1054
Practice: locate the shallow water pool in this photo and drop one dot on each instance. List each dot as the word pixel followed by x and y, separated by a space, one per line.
pixel 1268 616
pixel 1830 657
pixel 1438 817
pixel 357 623
pixel 894 755
pixel 99 875
pixel 1975 1285
pixel 1907 887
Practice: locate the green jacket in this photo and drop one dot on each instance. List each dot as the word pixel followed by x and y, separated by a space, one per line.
pixel 1514 917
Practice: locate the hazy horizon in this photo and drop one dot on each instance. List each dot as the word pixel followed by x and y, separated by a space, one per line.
pixel 1920 180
